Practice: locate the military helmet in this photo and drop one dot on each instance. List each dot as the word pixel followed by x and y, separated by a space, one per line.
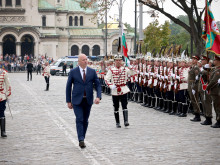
pixel 118 57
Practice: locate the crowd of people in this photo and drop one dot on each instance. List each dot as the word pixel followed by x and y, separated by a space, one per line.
pixel 14 63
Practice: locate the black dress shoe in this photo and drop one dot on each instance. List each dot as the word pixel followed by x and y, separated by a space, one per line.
pixel 118 125
pixel 208 121
pixel 195 119
pixel 82 144
pixel 216 125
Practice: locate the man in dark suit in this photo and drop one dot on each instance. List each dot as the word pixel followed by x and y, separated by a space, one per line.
pixel 29 70
pixel 82 78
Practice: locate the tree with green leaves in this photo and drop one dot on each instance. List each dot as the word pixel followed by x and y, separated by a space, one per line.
pixel 156 35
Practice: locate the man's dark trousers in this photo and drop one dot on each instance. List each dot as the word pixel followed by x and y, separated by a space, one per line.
pixel 82 112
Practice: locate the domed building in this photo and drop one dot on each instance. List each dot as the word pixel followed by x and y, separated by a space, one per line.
pixel 54 28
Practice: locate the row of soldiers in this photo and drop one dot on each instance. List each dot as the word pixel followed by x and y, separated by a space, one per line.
pixel 174 86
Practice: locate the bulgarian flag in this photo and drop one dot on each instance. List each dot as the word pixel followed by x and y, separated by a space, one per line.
pixel 210 31
pixel 125 48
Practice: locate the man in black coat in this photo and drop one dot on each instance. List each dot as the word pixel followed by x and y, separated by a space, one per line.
pixel 29 70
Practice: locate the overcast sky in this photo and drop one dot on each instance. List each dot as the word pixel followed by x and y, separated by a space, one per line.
pixel 128 11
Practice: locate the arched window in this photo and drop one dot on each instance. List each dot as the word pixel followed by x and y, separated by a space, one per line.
pixel 74 50
pixel 8 3
pixel 95 50
pixel 115 46
pixel 18 3
pixel 70 21
pixel 81 20
pixel 43 20
pixel 76 21
pixel 85 50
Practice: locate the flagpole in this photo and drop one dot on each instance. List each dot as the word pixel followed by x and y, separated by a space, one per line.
pixel 106 28
pixel 120 23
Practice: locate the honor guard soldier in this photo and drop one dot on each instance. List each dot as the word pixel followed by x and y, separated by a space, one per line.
pixel 205 98
pixel 116 79
pixel 46 74
pixel 214 89
pixel 193 88
pixel 5 93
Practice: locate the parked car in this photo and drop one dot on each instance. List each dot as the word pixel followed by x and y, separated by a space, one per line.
pixel 57 67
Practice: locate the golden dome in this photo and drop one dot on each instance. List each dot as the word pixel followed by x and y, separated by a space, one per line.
pixel 113 25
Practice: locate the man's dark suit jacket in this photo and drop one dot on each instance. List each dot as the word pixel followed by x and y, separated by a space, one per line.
pixel 79 86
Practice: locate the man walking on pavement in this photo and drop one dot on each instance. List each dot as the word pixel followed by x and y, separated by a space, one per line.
pixel 80 100
pixel 29 70
pixel 116 78
pixel 5 93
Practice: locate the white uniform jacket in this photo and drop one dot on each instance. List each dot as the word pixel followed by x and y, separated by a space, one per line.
pixel 112 78
pixel 5 88
pixel 46 71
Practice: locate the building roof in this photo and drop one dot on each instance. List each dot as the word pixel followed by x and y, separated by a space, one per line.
pixel 114 25
pixel 70 5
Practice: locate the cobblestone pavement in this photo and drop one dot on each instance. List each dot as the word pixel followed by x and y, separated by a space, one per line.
pixel 43 131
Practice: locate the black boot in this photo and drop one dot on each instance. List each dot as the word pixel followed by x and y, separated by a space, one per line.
pixel 117 120
pixel 179 109
pixel 190 108
pixel 157 105
pixel 125 114
pixel 149 99
pixel 109 91
pixel 216 125
pixel 140 97
pixel 145 99
pixel 152 102
pixel 128 96
pixel 103 88
pixel 169 106
pixel 164 105
pixel 160 104
pixel 208 121
pixel 132 96
pixel 184 109
pixel 47 87
pixel 135 97
pixel 196 118
pixel 174 108
pixel 2 121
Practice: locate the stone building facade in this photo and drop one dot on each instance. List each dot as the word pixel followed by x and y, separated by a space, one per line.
pixel 54 28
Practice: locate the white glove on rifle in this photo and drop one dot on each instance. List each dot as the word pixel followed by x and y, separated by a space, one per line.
pixel 218 81
pixel 114 87
pixel 178 77
pixel 206 66
pixel 172 75
pixel 193 92
pixel 197 77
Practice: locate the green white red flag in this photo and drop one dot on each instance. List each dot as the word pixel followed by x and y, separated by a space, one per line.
pixel 210 31
pixel 125 48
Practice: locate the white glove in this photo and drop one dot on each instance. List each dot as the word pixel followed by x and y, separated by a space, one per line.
pixel 146 74
pixel 136 79
pixel 193 92
pixel 128 63
pixel 164 86
pixel 138 72
pixel 197 77
pixel 113 87
pixel 206 66
pixel 142 73
pixel 202 69
pixel 162 77
pixel 175 86
pixel 158 76
pixel 172 75
pixel 150 81
pixel 151 74
pixel 178 77
pixel 166 77
pixel 171 83
pixel 218 81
